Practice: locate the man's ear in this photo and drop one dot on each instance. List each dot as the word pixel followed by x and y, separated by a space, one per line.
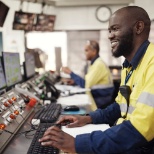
pixel 139 26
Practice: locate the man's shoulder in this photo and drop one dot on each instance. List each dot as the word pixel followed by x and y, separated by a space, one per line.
pixel 150 50
pixel 151 47
pixel 100 62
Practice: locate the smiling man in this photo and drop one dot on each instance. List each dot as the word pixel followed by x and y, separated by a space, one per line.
pixel 132 113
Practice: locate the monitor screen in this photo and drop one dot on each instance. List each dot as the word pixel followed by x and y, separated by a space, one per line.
pixel 24 21
pixel 11 63
pixel 2 78
pixel 29 64
pixel 44 22
pixel 4 11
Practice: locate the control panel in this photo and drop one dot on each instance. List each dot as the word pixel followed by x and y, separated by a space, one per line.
pixel 13 113
pixel 18 104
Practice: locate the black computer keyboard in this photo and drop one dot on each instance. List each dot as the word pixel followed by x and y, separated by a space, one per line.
pixel 48 113
pixel 36 147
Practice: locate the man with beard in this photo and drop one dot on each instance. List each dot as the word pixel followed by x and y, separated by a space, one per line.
pixel 132 113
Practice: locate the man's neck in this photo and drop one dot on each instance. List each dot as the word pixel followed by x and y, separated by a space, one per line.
pixel 93 59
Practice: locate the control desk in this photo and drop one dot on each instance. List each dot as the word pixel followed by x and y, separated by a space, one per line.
pixel 21 104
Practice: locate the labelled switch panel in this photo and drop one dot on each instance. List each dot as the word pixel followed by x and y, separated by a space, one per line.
pixel 13 113
pixel 35 85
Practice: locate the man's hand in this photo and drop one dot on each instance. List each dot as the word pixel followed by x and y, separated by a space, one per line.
pixel 70 82
pixel 74 121
pixel 55 137
pixel 67 81
pixel 66 70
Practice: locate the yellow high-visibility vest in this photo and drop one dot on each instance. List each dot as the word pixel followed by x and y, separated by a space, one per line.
pixel 98 74
pixel 141 106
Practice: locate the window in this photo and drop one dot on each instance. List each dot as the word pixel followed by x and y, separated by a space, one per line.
pixel 47 42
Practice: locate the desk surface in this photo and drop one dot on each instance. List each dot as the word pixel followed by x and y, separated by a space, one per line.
pixel 85 129
pixel 81 100
pixel 78 99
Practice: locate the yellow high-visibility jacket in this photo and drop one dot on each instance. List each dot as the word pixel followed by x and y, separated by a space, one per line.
pixel 98 79
pixel 141 107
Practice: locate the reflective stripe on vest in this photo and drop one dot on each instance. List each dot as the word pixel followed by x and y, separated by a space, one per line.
pixel 147 98
pixel 123 108
pixel 102 86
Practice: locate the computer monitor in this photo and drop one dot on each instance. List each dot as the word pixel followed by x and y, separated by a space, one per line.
pixel 24 21
pixel 44 22
pixel 29 65
pixel 2 77
pixel 4 11
pixel 11 64
pixel 1 43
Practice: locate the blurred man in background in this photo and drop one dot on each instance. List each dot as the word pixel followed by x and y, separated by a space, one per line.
pixel 98 77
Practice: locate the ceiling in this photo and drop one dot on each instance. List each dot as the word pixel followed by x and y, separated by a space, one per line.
pixel 80 2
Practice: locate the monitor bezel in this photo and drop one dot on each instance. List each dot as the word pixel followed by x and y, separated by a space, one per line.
pixel 5 86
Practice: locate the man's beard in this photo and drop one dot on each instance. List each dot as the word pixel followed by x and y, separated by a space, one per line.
pixel 125 45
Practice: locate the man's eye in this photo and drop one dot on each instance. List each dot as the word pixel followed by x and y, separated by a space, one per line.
pixel 115 28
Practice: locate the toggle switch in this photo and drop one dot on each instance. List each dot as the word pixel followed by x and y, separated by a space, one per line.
pixel 16 112
pixel 6 104
pixel 14 98
pixel 11 117
pixel 2 127
pixel 32 102
pixel 10 101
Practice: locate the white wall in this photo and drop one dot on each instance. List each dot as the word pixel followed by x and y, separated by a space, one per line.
pixel 70 18
pixel 13 41
pixel 148 5
pixel 83 18
pixel 79 18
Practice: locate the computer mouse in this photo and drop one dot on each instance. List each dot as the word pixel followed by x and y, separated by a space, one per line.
pixel 71 108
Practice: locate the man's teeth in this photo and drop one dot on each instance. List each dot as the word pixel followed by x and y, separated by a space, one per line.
pixel 113 44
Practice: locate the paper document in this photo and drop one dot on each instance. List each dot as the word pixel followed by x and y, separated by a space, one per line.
pixel 78 99
pixel 71 89
pixel 85 129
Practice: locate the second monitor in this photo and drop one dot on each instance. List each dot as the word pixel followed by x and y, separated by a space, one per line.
pixel 2 78
pixel 29 65
pixel 11 64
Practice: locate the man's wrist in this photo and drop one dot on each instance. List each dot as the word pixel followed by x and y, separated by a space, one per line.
pixel 70 72
pixel 88 119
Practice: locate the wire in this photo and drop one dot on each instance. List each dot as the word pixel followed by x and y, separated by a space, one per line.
pixel 20 133
pixel 29 136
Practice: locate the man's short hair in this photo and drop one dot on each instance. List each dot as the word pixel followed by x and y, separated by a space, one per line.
pixel 94 45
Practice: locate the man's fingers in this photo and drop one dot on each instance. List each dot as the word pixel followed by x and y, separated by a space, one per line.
pixel 51 133
pixel 55 128
pixel 53 143
pixel 71 125
pixel 65 118
pixel 50 138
